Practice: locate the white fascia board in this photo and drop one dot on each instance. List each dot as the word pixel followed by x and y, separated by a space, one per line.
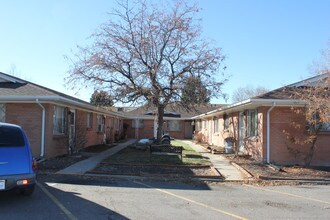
pixel 222 109
pixel 153 118
pixel 56 100
pixel 251 103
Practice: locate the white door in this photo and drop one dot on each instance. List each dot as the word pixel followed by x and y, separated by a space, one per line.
pixel 241 132
pixel 72 131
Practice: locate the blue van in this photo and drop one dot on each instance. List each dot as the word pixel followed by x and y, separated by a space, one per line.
pixel 17 165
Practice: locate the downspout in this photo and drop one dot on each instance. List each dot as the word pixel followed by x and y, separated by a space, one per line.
pixel 42 146
pixel 268 131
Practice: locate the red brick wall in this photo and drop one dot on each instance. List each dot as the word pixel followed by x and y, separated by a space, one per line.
pixel 284 151
pixel 28 116
pixel 147 131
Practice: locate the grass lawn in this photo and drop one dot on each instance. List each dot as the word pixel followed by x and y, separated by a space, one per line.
pixel 131 155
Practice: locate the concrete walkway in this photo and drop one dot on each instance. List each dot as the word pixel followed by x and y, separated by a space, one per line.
pixel 221 163
pixel 89 164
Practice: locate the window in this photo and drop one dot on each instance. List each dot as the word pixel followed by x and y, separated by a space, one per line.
pixel 100 123
pixel 204 124
pixel 216 124
pixel 174 125
pixel 116 123
pixel 2 112
pixel 89 120
pixel 325 126
pixel 252 123
pixel 226 121
pixel 198 126
pixel 137 123
pixel 60 119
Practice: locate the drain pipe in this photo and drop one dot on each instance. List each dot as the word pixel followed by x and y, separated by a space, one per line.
pixel 268 131
pixel 42 147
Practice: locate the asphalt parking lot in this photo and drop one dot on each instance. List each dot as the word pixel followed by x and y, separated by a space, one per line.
pixel 83 197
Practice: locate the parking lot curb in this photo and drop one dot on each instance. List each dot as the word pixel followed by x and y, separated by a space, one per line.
pixel 297 180
pixel 130 177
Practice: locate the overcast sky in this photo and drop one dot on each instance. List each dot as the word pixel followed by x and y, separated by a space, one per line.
pixel 267 43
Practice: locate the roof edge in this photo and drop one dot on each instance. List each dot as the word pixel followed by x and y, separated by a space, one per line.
pixel 252 102
pixel 57 99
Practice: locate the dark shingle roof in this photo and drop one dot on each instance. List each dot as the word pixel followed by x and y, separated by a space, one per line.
pixel 281 93
pixel 173 109
pixel 22 88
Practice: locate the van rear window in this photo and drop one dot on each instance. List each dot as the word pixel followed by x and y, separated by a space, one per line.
pixel 11 137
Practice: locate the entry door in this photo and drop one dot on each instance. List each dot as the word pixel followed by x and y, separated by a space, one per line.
pixel 72 131
pixel 241 131
pixel 188 130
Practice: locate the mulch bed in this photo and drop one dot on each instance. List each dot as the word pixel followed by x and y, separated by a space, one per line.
pixel 258 170
pixel 157 170
pixel 58 163
pixel 98 148
pixel 263 171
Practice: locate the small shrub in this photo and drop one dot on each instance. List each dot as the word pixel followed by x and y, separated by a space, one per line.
pixel 199 138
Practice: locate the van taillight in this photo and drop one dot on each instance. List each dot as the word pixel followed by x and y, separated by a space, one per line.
pixel 34 165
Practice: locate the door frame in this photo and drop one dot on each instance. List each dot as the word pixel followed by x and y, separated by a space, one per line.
pixel 72 130
pixel 241 131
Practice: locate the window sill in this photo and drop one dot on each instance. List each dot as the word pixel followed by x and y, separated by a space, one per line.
pixel 59 136
pixel 253 138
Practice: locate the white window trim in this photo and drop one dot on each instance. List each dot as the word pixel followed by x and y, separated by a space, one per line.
pixel 2 112
pixel 172 126
pixel 137 123
pixel 90 120
pixel 249 123
pixel 216 125
pixel 100 123
pixel 61 128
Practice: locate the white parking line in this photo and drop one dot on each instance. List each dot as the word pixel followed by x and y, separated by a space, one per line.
pixel 192 201
pixel 57 202
pixel 289 194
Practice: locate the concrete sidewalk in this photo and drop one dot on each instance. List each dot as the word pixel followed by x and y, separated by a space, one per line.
pixel 221 163
pixel 89 164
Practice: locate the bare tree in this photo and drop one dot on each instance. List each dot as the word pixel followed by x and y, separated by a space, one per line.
pixel 316 114
pixel 243 93
pixel 146 53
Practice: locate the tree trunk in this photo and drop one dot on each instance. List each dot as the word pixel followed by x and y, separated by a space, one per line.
pixel 309 156
pixel 160 117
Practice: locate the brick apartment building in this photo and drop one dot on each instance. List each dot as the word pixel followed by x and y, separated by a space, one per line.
pixel 259 127
pixel 55 123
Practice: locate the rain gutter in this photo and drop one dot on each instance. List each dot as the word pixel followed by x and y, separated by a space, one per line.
pixel 43 121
